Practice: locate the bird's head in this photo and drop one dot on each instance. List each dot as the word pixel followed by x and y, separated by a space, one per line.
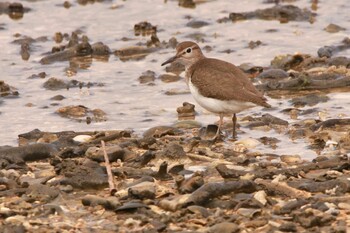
pixel 187 53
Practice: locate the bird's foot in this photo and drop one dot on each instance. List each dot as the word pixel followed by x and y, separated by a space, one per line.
pixel 211 132
pixel 217 138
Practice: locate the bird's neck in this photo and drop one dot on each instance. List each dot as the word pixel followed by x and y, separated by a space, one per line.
pixel 189 68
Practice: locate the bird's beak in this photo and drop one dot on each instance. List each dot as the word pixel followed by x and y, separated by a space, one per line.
pixel 170 60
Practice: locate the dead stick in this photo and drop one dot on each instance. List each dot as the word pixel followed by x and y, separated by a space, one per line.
pixel 112 188
pixel 282 188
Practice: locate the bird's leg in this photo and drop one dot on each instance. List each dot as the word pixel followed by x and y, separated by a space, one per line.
pixel 234 120
pixel 221 121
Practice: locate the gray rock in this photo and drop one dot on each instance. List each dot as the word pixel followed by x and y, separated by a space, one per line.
pixel 224 227
pixel 333 28
pixel 86 175
pixel 273 74
pixel 160 131
pixel 147 77
pixel 41 192
pixel 309 100
pixel 197 24
pixel 144 190
pixel 114 153
pixel 173 151
pixel 110 203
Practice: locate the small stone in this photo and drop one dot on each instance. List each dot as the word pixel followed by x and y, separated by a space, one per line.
pixel 191 184
pixel 288 227
pixel 224 227
pixel 173 42
pixel 2 188
pixel 291 159
pixel 54 84
pixel 15 220
pixel 41 75
pixel 254 44
pixel 186 112
pixel 187 3
pixel 67 4
pixel 73 111
pixel 160 131
pixel 173 151
pixel 175 67
pixel 66 188
pixel 325 51
pixel 132 206
pixel 85 175
pixel 147 77
pixel 58 97
pixel 248 143
pixel 82 138
pixel 58 37
pixel 7 90
pixel 99 114
pixel 29 105
pixel 273 74
pixel 47 138
pixel 199 210
pixel 248 212
pixel 333 28
pixel 344 206
pixel 196 24
pixel 144 190
pixel 339 61
pixel 110 203
pixel 187 124
pixel 144 28
pixel 42 192
pixel 134 52
pixel 260 196
pixel 176 91
pixel 100 49
pixel 309 100
pixel 114 153
pixel 169 78
pixel 174 203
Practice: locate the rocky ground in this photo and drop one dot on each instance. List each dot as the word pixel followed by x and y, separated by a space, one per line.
pixel 173 180
pixel 176 178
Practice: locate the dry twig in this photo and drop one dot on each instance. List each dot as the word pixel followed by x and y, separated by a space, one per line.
pixel 112 188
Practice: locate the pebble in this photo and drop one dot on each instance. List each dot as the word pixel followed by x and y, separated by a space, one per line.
pixel 197 24
pixel 224 227
pixel 248 143
pixel 260 196
pixel 144 190
pixel 82 138
pixel 147 77
pixel 169 78
pixel 344 206
pixel 333 28
pixel 290 159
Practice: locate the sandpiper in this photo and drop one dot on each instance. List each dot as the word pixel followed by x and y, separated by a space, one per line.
pixel 218 86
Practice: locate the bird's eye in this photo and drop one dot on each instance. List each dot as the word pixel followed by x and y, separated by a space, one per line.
pixel 188 50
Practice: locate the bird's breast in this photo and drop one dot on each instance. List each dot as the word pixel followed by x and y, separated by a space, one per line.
pixel 217 105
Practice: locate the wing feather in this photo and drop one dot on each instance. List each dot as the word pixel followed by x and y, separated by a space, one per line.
pixel 222 80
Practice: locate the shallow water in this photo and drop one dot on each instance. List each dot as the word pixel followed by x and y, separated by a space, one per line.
pixel 128 104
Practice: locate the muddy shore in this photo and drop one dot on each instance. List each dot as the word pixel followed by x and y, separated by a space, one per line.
pixel 173 177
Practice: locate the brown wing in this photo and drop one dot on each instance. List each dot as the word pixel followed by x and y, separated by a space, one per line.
pixel 222 80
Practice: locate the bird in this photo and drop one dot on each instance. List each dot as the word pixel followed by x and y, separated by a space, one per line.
pixel 216 85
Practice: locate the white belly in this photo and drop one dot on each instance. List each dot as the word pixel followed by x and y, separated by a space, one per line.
pixel 218 106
